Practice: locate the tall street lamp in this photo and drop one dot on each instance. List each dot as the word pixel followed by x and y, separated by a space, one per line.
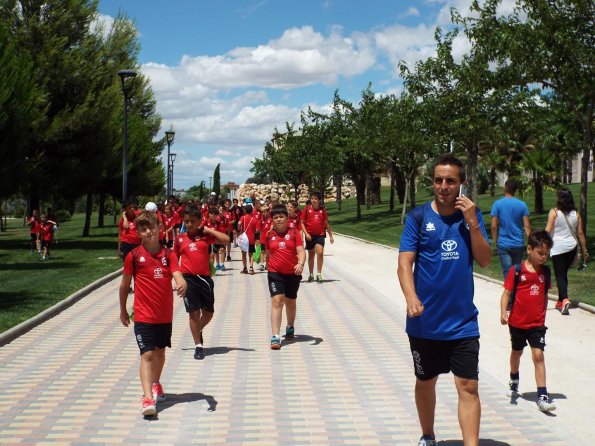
pixel 127 78
pixel 172 158
pixel 169 137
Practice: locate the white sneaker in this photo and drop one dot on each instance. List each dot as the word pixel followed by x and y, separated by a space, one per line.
pixel 545 405
pixel 513 388
pixel 427 442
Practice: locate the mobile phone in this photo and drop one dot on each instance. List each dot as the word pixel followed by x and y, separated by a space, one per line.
pixel 463 190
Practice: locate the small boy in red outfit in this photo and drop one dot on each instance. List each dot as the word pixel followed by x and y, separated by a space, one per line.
pixel 46 235
pixel 152 267
pixel 526 316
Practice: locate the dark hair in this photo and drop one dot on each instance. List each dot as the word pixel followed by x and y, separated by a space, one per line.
pixel 127 203
pixel 565 201
pixel 538 238
pixel 511 186
pixel 316 194
pixel 448 159
pixel 279 209
pixel 248 208
pixel 213 210
pixel 146 218
pixel 193 211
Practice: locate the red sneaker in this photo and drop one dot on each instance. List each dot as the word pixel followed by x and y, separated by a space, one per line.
pixel 559 305
pixel 157 391
pixel 148 406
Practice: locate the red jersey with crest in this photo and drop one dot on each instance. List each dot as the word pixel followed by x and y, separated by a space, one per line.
pixel 530 301
pixel 153 295
pixel 294 222
pixel 265 225
pixel 282 250
pixel 47 231
pixel 129 235
pixel 250 225
pixel 34 224
pixel 315 220
pixel 229 218
pixel 193 253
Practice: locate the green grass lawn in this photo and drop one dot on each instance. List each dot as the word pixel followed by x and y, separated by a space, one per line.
pixel 30 286
pixel 380 225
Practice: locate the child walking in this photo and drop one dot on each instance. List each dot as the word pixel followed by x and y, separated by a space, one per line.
pixel 526 289
pixel 152 267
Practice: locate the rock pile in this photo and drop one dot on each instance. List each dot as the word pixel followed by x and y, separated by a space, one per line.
pixel 287 192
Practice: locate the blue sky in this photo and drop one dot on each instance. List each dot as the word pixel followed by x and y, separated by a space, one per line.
pixel 226 73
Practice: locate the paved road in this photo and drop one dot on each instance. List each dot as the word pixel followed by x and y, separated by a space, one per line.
pixel 347 379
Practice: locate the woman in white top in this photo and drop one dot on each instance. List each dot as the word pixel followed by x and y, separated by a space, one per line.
pixel 565 226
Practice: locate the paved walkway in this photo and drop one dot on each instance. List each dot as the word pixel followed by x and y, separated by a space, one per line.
pixel 347 378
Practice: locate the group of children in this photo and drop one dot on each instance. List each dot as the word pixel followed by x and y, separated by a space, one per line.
pixel 184 242
pixel 42 232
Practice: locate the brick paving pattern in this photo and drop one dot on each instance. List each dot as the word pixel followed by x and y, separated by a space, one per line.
pixel 346 379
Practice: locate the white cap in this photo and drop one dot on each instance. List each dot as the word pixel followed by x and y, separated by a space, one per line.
pixel 213 193
pixel 151 207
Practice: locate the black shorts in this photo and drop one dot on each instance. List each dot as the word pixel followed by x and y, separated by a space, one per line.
pixel 33 237
pixel 152 336
pixel 251 248
pixel 125 248
pixel 431 357
pixel 519 337
pixel 316 240
pixel 46 244
pixel 215 248
pixel 200 293
pixel 285 284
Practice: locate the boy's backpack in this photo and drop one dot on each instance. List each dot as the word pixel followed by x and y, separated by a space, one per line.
pixel 517 276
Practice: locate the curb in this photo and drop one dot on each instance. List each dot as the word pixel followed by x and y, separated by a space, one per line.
pixel 581 305
pixel 19 330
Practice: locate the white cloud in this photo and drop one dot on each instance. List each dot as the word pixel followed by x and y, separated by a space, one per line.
pixel 401 42
pixel 102 23
pixel 411 12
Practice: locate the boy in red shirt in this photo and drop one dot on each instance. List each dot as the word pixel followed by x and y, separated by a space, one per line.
pixel 129 238
pixel 34 223
pixel 152 267
pixel 46 235
pixel 286 263
pixel 192 248
pixel 315 225
pixel 526 317
pixel 230 220
pixel 251 225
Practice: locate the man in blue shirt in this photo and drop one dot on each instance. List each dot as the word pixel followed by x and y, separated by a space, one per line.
pixel 509 217
pixel 443 238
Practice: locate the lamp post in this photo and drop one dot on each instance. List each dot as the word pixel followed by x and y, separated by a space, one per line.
pixel 172 158
pixel 169 137
pixel 126 89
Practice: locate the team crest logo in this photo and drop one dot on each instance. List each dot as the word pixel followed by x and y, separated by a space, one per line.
pixel 164 261
pixel 141 259
pixel 523 278
pixel 430 226
pixel 541 278
pixel 273 237
pixel 192 247
pixel 180 240
pixel 286 236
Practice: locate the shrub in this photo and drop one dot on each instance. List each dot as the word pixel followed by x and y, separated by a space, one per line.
pixel 63 216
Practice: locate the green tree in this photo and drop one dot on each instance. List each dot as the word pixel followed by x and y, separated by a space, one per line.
pixel 217 180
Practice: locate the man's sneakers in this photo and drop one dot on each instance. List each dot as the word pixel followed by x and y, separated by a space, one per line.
pixel 157 391
pixel 426 440
pixel 311 278
pixel 319 278
pixel 289 332
pixel 148 407
pixel 563 306
pixel 545 405
pixel 244 271
pixel 513 388
pixel 252 270
pixel 275 343
pixel 229 258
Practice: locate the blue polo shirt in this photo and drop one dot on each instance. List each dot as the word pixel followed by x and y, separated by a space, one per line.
pixel 443 275
pixel 510 212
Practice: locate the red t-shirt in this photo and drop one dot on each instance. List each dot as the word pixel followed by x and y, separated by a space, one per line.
pixel 315 220
pixel 530 301
pixel 294 222
pixel 47 231
pixel 193 252
pixel 34 225
pixel 282 250
pixel 129 235
pixel 153 295
pixel 169 223
pixel 250 225
pixel 265 226
pixel 228 216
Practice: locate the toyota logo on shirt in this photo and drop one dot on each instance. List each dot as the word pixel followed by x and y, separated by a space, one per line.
pixel 449 245
pixel 449 250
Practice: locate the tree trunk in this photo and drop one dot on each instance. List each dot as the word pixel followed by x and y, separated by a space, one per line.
pixel 472 157
pixel 101 210
pixel 492 182
pixel 584 186
pixel 374 192
pixel 404 211
pixel 360 190
pixel 538 182
pixel 339 186
pixel 88 212
pixel 411 186
pixel 393 185
pixel 115 210
pixel 369 193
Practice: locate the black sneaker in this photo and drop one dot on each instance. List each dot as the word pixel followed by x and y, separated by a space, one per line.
pixel 289 332
pixel 199 353
pixel 229 258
